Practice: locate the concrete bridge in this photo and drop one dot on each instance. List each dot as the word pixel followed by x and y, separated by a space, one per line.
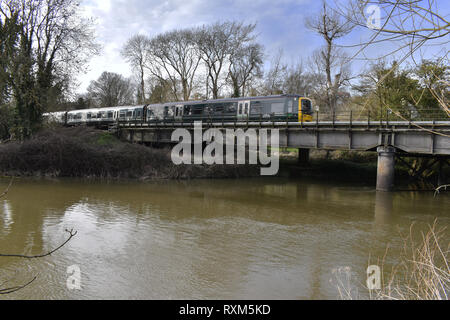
pixel 388 138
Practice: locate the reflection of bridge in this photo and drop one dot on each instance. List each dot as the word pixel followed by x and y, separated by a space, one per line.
pixel 388 138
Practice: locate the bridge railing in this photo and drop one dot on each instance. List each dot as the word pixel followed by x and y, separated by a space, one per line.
pixel 427 114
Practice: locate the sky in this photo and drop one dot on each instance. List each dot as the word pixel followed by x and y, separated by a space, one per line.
pixel 280 25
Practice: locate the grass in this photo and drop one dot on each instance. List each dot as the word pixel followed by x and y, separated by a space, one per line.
pixel 422 273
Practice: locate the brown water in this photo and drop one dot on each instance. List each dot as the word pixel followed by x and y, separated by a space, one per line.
pixel 274 238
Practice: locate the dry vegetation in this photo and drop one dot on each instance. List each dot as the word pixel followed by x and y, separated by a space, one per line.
pixel 85 152
pixel 422 273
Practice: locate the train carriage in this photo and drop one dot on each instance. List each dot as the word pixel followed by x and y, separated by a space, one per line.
pixel 280 107
pixel 292 108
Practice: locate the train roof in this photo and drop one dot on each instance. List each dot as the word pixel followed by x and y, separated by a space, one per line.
pixel 189 102
pixel 235 99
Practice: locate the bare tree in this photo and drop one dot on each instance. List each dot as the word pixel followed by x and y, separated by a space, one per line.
pixel 245 65
pixel 297 80
pixel 274 78
pixel 409 24
pixel 111 89
pixel 218 44
pixel 175 56
pixel 330 26
pixel 135 52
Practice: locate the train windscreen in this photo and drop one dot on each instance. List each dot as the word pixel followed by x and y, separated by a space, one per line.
pixel 306 106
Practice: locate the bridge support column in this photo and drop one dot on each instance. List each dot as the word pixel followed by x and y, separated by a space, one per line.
pixel 303 156
pixel 386 168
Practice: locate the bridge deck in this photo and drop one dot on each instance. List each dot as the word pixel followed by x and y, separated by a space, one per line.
pixel 418 137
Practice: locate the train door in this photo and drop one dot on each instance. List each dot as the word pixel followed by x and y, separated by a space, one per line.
pixel 144 113
pixel 243 110
pixel 179 112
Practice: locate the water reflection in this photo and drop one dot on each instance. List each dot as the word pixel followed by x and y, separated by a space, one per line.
pixel 250 238
pixel 384 202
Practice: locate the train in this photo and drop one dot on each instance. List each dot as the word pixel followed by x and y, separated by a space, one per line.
pixel 286 107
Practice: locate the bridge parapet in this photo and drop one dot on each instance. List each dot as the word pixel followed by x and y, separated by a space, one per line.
pixel 419 137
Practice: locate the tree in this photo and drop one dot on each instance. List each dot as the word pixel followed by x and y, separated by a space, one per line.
pixel 404 91
pixel 160 90
pixel 135 52
pixel 434 78
pixel 245 65
pixel 174 56
pixel 111 89
pixel 221 43
pixel 9 36
pixel 298 81
pixel 330 26
pixel 409 25
pixel 274 78
pixel 53 44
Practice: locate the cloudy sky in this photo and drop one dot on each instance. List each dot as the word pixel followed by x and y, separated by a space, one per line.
pixel 280 25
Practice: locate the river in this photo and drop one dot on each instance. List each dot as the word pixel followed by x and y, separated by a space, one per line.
pixel 260 238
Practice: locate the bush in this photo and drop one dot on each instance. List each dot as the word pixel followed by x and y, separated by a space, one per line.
pixel 85 152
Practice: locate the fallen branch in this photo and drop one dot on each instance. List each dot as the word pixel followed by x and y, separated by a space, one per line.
pixel 71 235
pixel 17 288
pixel 438 189
pixel 7 189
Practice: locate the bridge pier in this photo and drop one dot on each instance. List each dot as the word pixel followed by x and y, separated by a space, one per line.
pixel 386 168
pixel 303 156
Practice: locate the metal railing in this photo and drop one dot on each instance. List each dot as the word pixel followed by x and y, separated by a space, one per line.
pixel 384 116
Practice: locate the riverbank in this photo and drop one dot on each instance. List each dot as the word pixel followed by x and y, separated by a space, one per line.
pixel 84 152
pixel 89 153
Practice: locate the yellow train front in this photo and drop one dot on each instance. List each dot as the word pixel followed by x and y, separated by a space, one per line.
pixel 305 110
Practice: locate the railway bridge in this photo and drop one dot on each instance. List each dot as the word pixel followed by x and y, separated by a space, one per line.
pixel 390 139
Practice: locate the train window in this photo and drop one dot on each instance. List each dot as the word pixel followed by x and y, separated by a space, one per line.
pixel 110 114
pixel 246 108
pixel 197 109
pixel 240 108
pixel 88 115
pixel 277 107
pixel 231 107
pixel 122 114
pixel 166 111
pixel 306 105
pixel 138 113
pixel 256 108
pixel 219 108
pixel 187 110
pixel 129 113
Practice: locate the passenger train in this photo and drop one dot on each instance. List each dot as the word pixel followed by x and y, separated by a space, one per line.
pixel 292 108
